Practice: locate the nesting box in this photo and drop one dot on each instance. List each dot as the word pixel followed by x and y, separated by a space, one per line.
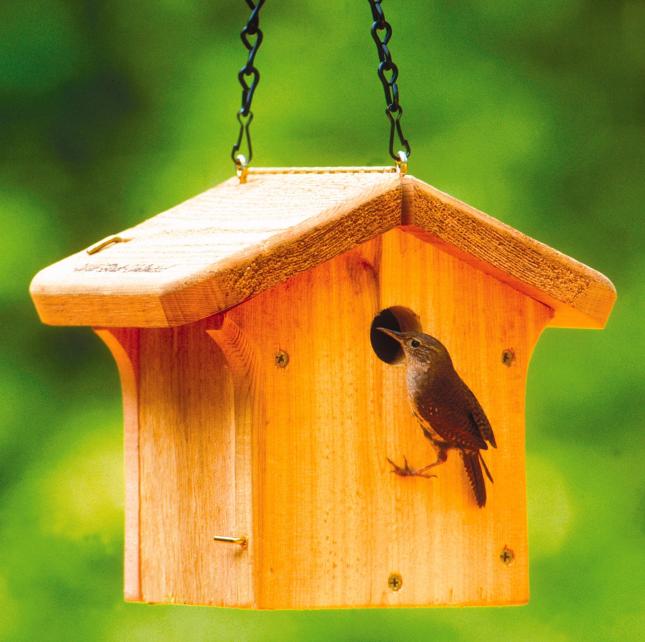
pixel 260 405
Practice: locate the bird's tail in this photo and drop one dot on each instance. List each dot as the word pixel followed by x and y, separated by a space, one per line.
pixel 475 475
pixel 481 459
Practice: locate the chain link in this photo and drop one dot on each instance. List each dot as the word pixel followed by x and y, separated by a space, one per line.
pixel 388 73
pixel 249 77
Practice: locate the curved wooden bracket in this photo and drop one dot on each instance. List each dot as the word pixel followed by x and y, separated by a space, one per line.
pixel 123 343
pixel 240 355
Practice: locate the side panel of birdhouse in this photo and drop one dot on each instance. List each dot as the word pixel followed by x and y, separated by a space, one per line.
pixel 334 526
pixel 124 345
pixel 194 472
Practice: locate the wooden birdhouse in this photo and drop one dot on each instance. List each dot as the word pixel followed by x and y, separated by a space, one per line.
pixel 261 405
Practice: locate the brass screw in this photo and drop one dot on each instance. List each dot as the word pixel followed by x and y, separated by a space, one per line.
pixel 281 359
pixel 395 582
pixel 507 556
pixel 242 541
pixel 508 357
pixel 106 242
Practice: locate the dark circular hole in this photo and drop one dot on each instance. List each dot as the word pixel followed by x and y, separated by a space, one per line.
pixel 395 318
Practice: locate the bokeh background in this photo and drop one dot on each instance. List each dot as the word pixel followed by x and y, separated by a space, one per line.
pixel 112 111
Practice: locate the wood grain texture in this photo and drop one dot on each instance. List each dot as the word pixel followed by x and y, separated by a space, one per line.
pixel 334 521
pixel 234 241
pixel 579 296
pixel 249 411
pixel 218 249
pixel 225 432
pixel 195 472
pixel 124 346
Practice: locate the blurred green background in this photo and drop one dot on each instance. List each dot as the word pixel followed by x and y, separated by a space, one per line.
pixel 111 112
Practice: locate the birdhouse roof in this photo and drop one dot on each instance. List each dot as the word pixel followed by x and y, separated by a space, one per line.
pixel 235 240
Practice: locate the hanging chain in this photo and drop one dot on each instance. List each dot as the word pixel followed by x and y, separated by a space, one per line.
pixel 249 77
pixel 388 72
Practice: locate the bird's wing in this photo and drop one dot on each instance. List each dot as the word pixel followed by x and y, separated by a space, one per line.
pixel 452 422
pixel 480 420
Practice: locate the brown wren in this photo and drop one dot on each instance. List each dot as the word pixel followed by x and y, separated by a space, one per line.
pixel 448 411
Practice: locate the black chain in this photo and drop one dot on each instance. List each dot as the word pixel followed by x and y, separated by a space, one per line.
pixel 388 72
pixel 249 77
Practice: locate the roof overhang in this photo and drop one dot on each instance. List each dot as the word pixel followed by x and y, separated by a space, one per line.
pixel 235 240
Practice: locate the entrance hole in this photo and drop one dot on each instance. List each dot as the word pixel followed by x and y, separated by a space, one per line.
pixel 396 318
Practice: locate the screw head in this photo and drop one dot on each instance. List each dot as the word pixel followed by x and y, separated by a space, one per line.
pixel 281 359
pixel 508 357
pixel 395 582
pixel 507 556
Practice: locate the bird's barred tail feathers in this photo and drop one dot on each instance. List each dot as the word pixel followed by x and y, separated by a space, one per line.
pixel 481 459
pixel 475 475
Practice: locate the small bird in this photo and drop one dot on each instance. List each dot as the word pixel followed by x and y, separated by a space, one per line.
pixel 448 411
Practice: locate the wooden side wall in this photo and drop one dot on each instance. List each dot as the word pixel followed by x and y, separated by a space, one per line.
pixel 124 345
pixel 193 464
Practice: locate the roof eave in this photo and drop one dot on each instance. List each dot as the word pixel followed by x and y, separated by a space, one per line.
pixel 579 296
pixel 122 287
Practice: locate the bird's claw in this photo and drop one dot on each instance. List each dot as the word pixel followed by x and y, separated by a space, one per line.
pixel 407 471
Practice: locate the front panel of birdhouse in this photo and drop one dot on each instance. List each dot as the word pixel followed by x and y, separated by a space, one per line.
pixel 274 421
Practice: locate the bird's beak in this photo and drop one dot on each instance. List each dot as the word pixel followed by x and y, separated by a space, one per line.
pixel 397 336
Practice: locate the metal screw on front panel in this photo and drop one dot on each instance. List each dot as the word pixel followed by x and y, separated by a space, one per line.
pixel 508 357
pixel 507 556
pixel 281 359
pixel 395 582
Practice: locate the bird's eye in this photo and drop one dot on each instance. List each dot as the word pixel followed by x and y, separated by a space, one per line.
pixel 415 343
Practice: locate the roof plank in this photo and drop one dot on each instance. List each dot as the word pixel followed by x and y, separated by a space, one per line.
pixel 578 295
pixel 235 240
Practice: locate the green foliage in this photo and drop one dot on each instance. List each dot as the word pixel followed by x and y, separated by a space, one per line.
pixel 112 111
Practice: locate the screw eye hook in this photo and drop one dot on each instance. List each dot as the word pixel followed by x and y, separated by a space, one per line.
pixel 402 163
pixel 241 167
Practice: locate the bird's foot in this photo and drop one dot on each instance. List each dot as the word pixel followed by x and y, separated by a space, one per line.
pixel 407 471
